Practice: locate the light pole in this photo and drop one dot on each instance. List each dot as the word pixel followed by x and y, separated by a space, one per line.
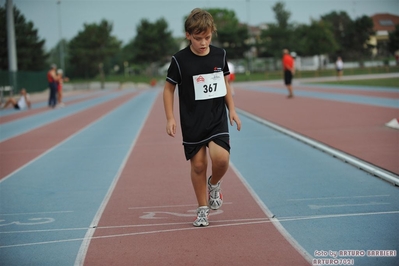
pixel 12 48
pixel 249 39
pixel 61 43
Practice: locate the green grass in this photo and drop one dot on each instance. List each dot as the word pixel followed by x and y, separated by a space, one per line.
pixel 268 75
pixel 120 78
pixel 385 82
pixel 273 75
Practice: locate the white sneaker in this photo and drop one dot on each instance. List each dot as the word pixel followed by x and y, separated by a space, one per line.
pixel 215 198
pixel 202 216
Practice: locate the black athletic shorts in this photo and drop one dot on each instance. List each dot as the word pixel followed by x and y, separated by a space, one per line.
pixel 287 77
pixel 191 150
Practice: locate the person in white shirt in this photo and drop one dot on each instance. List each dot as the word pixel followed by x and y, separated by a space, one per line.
pixel 22 103
pixel 339 65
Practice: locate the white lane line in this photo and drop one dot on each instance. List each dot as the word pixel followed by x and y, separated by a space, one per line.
pixel 317 207
pixel 44 230
pixel 169 206
pixel 131 226
pixel 165 215
pixel 313 217
pixel 134 234
pixel 333 198
pixel 33 213
pixel 250 222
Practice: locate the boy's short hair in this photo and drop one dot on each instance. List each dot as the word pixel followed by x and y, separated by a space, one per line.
pixel 199 21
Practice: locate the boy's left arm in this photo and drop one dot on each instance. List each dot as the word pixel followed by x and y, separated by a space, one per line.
pixel 230 105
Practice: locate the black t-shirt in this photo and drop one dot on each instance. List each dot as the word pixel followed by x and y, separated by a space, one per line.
pixel 201 120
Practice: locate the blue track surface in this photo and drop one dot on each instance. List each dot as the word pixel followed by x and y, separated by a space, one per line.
pixel 375 101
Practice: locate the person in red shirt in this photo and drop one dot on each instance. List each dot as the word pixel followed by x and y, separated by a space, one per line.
pixel 289 71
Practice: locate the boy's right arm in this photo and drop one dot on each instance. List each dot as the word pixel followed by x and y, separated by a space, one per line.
pixel 168 99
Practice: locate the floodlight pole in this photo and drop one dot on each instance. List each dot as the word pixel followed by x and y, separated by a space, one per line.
pixel 61 43
pixel 250 38
pixel 12 50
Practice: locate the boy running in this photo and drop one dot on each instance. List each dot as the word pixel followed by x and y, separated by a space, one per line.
pixel 201 72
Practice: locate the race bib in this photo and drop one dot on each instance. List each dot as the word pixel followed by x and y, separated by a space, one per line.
pixel 209 86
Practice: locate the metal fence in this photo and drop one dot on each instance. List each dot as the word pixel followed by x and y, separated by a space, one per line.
pixel 12 82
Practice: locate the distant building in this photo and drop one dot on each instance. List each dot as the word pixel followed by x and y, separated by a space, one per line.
pixel 383 24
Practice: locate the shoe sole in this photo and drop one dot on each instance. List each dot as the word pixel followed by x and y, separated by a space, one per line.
pixel 201 225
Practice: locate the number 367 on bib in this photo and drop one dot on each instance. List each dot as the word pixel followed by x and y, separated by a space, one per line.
pixel 209 86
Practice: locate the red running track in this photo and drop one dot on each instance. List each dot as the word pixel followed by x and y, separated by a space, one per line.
pixel 148 218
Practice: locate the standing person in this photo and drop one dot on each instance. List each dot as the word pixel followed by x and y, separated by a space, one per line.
pixel 201 71
pixel 22 103
pixel 289 71
pixel 60 83
pixel 52 83
pixel 339 66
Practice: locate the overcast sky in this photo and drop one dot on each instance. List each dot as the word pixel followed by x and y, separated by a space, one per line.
pixel 70 15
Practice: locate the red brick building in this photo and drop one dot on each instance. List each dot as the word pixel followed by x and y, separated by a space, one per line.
pixel 383 24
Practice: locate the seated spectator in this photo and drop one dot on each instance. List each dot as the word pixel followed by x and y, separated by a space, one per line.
pixel 22 103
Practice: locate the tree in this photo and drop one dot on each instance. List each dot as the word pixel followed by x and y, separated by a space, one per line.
pixel 31 54
pixel 341 26
pixel 55 54
pixel 89 50
pixel 282 16
pixel 351 36
pixel 393 43
pixel 315 39
pixel 363 29
pixel 231 35
pixel 153 43
pixel 278 35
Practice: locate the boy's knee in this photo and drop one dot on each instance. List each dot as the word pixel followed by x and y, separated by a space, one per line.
pixel 198 166
pixel 221 162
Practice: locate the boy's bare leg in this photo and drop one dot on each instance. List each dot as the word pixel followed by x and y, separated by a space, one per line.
pixel 220 158
pixel 199 165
